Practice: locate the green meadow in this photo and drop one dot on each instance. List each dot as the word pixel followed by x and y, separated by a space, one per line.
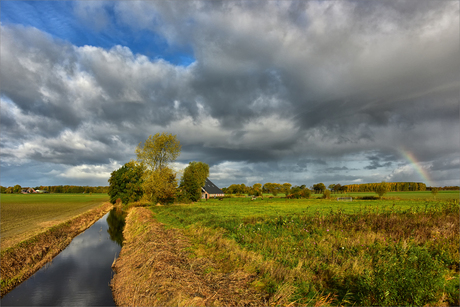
pixel 22 215
pixel 400 250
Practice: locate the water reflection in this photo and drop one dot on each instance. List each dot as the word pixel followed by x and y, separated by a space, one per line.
pixel 116 222
pixel 80 274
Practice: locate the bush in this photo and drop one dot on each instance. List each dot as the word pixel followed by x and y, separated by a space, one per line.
pixel 182 197
pixel 327 194
pixel 402 277
pixel 305 193
pixel 368 198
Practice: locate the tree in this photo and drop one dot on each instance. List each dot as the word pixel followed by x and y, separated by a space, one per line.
pixel 158 151
pixel 337 188
pixel 382 189
pixel 160 185
pixel 319 187
pixel 257 189
pixel 287 188
pixel 2 189
pixel 193 179
pixel 17 189
pixel 305 193
pixel 159 181
pixel 300 192
pixel 126 183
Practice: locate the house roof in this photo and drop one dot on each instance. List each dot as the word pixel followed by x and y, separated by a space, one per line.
pixel 211 188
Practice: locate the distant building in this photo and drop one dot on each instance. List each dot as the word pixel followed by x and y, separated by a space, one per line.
pixel 210 190
pixel 27 191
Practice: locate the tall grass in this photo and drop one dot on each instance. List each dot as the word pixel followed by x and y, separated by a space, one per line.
pixel 371 255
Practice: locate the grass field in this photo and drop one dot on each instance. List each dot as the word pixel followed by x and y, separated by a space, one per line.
pixel 402 250
pixel 23 215
pixel 418 195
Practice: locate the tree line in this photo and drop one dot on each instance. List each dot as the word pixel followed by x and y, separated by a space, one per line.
pixel 392 187
pixel 320 188
pixel 272 188
pixel 150 177
pixel 57 189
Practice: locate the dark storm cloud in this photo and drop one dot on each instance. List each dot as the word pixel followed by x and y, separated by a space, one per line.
pixel 343 168
pixel 213 156
pixel 375 164
pixel 304 162
pixel 445 164
pixel 293 85
pixel 379 160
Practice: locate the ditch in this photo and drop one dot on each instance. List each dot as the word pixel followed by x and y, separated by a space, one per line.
pixel 80 274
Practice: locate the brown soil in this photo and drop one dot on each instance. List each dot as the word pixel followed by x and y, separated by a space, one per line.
pixel 23 259
pixel 157 268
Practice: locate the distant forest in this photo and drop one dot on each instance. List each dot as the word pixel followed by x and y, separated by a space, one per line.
pixel 397 187
pixel 243 189
pixel 287 188
pixel 57 189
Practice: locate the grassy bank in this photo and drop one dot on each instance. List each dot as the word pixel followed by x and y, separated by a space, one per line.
pixel 157 267
pixel 402 251
pixel 23 259
pixel 23 215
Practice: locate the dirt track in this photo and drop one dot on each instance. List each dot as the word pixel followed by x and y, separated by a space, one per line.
pixel 156 268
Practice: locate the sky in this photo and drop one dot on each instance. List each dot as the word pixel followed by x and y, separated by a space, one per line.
pixel 262 91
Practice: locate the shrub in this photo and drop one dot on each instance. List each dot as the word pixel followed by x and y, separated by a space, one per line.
pixel 306 193
pixel 368 198
pixel 402 277
pixel 327 194
pixel 382 189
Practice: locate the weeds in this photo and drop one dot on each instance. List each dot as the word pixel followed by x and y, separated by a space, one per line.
pixel 377 255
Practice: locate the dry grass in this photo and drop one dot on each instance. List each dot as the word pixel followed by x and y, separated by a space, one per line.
pixel 157 268
pixel 197 267
pixel 20 261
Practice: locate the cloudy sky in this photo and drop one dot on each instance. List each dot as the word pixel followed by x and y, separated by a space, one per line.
pixel 263 91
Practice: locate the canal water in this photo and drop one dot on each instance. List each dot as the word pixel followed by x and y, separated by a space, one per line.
pixel 80 274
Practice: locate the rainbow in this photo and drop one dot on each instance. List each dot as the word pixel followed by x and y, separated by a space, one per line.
pixel 416 165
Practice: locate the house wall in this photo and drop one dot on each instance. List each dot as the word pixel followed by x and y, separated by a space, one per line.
pixel 210 195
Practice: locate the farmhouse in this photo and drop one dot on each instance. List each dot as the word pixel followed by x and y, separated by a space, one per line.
pixel 27 191
pixel 210 190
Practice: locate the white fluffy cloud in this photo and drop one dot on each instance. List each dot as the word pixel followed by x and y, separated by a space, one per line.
pixel 90 172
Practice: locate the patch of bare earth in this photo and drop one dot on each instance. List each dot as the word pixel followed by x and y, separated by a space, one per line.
pixel 157 268
pixel 23 259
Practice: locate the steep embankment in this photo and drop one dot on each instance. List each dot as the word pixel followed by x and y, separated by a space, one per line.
pixel 22 260
pixel 157 267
